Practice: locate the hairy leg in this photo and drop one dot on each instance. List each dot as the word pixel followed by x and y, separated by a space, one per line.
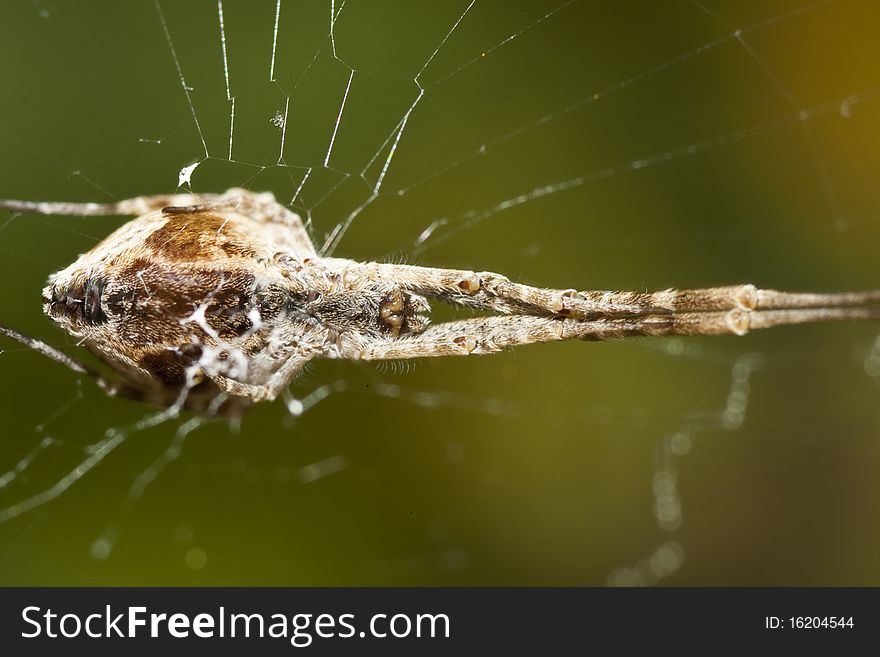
pixel 112 387
pixel 490 291
pixel 486 335
pixel 276 384
pixel 743 297
pixel 133 207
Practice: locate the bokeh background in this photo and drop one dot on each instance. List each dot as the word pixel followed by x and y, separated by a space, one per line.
pixel 700 143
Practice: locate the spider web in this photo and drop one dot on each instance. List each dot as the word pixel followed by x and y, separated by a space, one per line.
pixel 583 144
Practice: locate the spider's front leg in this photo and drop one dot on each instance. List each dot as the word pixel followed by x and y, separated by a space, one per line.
pixel 490 291
pixel 741 297
pixel 486 335
pixel 495 292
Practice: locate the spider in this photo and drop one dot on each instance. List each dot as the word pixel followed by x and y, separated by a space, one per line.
pixel 217 301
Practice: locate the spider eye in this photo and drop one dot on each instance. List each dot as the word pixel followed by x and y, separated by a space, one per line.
pixel 92 312
pixel 313 296
pixel 81 304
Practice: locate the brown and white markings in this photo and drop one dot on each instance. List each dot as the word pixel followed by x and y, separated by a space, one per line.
pixel 218 301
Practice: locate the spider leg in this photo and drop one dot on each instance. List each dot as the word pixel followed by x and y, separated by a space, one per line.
pixel 729 322
pixel 743 297
pixel 491 291
pixel 486 335
pixel 133 207
pixel 268 391
pixel 114 388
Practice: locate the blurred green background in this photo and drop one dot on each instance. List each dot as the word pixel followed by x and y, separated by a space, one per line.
pixel 704 144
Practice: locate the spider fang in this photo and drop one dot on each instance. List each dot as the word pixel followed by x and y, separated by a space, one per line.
pixel 391 312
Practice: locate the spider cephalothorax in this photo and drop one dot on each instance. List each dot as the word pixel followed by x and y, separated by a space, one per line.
pixel 218 301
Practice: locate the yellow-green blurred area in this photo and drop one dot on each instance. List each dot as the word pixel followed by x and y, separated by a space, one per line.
pixel 595 145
